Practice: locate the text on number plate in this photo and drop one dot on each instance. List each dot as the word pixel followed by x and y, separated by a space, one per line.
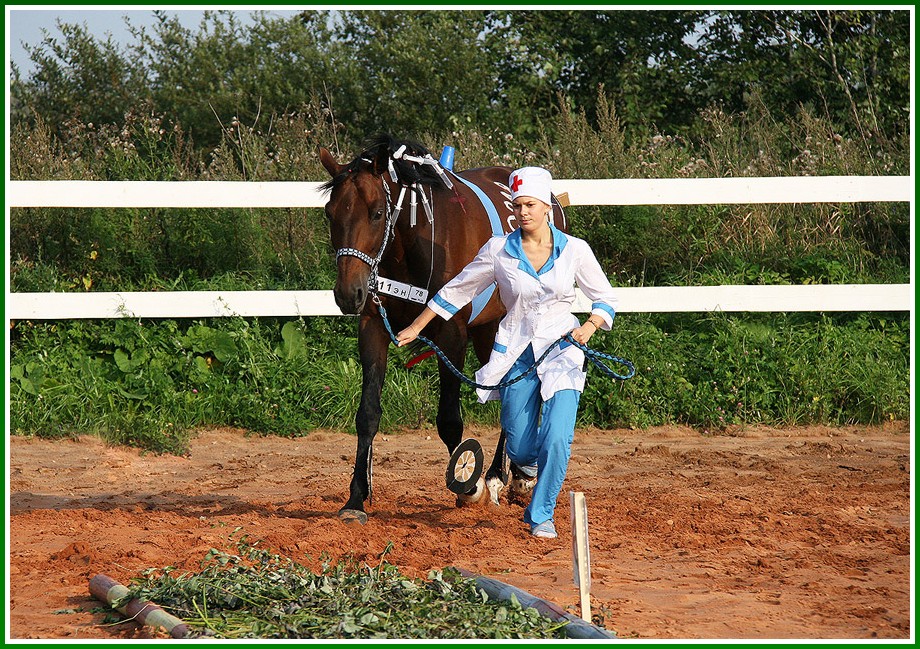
pixel 400 290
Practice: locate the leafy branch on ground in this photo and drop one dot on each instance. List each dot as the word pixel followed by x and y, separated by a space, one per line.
pixel 256 593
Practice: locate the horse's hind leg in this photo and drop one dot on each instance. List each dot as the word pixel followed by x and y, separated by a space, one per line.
pixel 497 476
pixel 501 469
pixel 449 419
pixel 523 480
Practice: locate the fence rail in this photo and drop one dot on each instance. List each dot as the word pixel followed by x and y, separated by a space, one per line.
pixel 653 299
pixel 683 191
pixel 625 191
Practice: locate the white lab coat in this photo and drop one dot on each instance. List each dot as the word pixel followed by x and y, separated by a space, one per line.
pixel 538 304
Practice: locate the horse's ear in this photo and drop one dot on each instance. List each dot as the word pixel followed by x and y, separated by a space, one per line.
pixel 380 162
pixel 333 167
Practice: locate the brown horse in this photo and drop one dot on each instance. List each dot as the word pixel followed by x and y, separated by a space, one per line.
pixel 402 227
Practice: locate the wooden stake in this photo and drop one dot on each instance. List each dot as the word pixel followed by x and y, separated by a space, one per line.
pixel 581 551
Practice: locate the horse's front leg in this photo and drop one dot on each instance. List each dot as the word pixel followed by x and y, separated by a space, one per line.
pixel 373 341
pixel 448 419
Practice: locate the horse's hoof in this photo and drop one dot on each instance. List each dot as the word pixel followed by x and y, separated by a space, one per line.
pixel 353 516
pixel 495 486
pixel 473 497
pixel 523 485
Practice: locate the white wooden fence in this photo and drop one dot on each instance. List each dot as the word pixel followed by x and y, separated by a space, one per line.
pixel 685 191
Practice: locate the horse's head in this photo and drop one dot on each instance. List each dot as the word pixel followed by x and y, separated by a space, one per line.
pixel 359 213
pixel 357 221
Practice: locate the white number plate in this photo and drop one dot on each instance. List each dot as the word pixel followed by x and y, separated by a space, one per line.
pixel 403 291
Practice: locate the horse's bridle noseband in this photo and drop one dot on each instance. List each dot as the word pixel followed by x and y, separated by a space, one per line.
pixel 353 252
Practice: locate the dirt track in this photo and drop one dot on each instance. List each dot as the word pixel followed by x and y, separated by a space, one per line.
pixel 758 534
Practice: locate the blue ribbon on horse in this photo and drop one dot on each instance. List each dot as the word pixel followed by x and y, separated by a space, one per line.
pixel 480 301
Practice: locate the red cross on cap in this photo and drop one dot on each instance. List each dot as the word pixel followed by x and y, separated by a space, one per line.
pixel 517 182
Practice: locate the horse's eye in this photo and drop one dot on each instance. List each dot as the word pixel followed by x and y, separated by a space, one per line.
pixel 376 216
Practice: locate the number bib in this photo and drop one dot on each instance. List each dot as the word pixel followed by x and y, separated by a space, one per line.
pixel 402 291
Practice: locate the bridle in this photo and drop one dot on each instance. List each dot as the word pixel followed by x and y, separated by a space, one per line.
pixel 393 210
pixel 389 227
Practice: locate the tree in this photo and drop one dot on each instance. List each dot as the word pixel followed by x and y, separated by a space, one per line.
pixel 643 58
pixel 77 77
pixel 226 73
pixel 416 71
pixel 851 66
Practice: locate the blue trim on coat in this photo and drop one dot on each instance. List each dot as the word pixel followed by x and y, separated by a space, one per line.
pixel 515 248
pixel 444 304
pixel 605 308
pixel 501 349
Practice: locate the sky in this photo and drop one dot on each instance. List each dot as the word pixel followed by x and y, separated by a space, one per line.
pixel 25 23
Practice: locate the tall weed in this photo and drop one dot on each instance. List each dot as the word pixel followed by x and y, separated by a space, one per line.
pixel 717 370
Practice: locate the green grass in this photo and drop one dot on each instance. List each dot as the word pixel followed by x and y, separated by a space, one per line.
pixel 152 383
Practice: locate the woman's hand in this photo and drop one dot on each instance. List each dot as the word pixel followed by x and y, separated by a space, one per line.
pixel 583 333
pixel 406 336
pixel 412 332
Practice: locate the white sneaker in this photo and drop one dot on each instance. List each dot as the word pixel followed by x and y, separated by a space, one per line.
pixel 544 530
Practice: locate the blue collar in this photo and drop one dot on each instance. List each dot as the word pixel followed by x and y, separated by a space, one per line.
pixel 514 247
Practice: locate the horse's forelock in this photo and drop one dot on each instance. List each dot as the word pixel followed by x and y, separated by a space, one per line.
pixel 361 163
pixel 375 158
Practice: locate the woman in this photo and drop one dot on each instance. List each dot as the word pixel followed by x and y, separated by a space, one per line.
pixel 536 268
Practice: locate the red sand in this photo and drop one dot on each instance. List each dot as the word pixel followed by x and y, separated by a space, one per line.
pixel 755 534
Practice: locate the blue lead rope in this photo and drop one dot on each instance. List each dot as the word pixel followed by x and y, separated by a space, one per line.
pixel 596 357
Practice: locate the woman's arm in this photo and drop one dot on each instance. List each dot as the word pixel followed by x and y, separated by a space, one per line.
pixel 594 283
pixel 411 332
pixel 583 333
pixel 456 294
pixel 468 283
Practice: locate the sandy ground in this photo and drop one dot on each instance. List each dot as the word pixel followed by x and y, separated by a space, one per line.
pixel 754 534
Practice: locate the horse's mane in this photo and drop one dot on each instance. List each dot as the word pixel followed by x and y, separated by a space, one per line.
pixel 375 159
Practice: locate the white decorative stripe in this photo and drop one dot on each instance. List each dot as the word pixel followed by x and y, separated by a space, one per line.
pixel 352 252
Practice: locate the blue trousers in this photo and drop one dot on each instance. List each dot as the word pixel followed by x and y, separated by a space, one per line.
pixel 538 433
